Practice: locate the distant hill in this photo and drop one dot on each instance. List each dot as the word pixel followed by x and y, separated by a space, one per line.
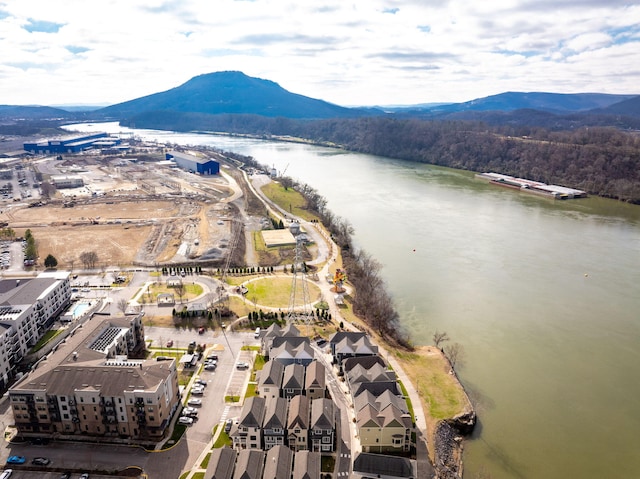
pixel 630 107
pixel 235 93
pixel 33 112
pixel 549 102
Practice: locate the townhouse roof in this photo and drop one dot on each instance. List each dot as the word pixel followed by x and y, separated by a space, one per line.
pixel 366 361
pixel 315 375
pixel 278 463
pixel 306 465
pixel 361 346
pixel 390 416
pixel 287 350
pixel 373 465
pixel 249 465
pixel 271 374
pixel 221 463
pixel 252 414
pixel 376 388
pixel 298 412
pixel 293 377
pixel 340 335
pixel 322 414
pixel 380 402
pixel 375 373
pixel 275 416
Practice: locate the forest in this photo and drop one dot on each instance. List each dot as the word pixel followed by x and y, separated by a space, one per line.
pixel 603 161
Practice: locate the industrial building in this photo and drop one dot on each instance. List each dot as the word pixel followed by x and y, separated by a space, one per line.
pixel 67 181
pixel 28 306
pixel 194 164
pixel 90 387
pixel 72 144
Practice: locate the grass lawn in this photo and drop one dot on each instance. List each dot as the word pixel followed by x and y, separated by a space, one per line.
pixel 251 390
pixel 190 291
pixel 276 292
pixel 289 200
pixel 223 439
pixel 205 461
pixel 48 336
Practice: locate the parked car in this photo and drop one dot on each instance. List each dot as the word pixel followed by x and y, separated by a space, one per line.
pixel 170 343
pixel 189 412
pixel 16 460
pixel 40 461
pixel 6 474
pixel 242 365
pixel 212 357
pixel 65 475
pixel 194 402
pixel 227 425
pixel 197 391
pixel 84 475
pixel 200 382
pixel 185 421
pixel 201 330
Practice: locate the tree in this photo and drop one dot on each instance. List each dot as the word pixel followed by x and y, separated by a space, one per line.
pixel 89 259
pixel 50 261
pixel 455 353
pixel 123 304
pixel 180 289
pixel 439 337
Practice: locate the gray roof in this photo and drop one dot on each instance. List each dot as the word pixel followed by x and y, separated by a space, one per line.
pixel 293 377
pixel 278 463
pixel 249 464
pixel 340 335
pixel 298 412
pixel 221 464
pixel 378 464
pixel 322 414
pixel 27 291
pixel 276 414
pixel 271 374
pixel 253 412
pixel 366 361
pixel 306 465
pixel 376 388
pixel 315 375
pixel 374 374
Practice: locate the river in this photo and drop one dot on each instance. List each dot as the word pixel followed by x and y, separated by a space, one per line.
pixel 543 295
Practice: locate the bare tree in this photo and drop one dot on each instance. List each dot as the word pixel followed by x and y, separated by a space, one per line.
pixel 440 337
pixel 123 304
pixel 180 289
pixel 89 259
pixel 455 353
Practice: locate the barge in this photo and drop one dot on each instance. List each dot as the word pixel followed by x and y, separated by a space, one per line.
pixel 534 187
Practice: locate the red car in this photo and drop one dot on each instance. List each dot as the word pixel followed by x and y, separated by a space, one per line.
pixel 201 330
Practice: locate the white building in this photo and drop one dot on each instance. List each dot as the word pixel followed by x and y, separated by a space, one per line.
pixel 28 306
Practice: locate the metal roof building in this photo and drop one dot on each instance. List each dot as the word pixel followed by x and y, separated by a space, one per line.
pixel 202 166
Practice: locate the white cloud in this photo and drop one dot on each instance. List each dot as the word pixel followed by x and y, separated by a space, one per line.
pixel 358 52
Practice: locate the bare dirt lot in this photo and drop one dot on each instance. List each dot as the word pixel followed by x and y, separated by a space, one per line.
pixel 188 221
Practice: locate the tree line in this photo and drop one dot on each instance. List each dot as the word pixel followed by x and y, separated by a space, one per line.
pixel 600 160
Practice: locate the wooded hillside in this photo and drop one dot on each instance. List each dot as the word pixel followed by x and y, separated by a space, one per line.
pixel 601 161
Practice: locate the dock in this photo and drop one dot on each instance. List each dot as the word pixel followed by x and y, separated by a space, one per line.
pixel 535 187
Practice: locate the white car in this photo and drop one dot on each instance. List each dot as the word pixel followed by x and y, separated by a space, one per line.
pixel 242 365
pixel 197 391
pixel 186 421
pixel 190 412
pixel 194 402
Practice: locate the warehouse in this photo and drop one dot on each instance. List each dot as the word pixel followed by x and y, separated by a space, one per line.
pixel 72 144
pixel 202 166
pixel 67 181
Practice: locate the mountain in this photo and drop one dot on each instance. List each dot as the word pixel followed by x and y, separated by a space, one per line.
pixel 549 102
pixel 235 93
pixel 33 112
pixel 630 107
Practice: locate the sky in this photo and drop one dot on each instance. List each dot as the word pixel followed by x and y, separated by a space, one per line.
pixel 348 52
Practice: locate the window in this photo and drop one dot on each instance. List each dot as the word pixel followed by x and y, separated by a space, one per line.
pixel 397 441
pixel 252 438
pixel 326 439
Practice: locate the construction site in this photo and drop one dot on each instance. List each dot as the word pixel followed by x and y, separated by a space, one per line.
pixel 134 208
